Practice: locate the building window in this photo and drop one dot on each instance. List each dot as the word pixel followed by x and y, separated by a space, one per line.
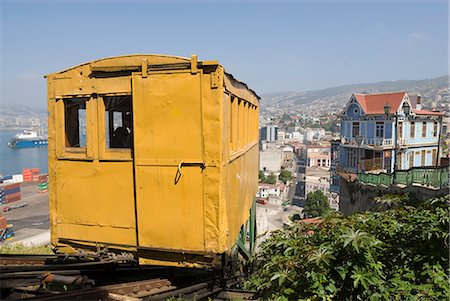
pixel 400 130
pixel 422 159
pixel 433 159
pixel 411 159
pixel 355 129
pixel 75 122
pixel 118 121
pixel 379 130
pixel 435 129
pixel 412 130
pixel 424 129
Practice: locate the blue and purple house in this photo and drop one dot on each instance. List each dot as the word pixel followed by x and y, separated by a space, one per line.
pixel 385 133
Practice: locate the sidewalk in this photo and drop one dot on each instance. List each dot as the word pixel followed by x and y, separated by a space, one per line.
pixel 41 239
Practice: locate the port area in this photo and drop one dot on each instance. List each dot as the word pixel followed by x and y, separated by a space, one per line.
pixel 31 224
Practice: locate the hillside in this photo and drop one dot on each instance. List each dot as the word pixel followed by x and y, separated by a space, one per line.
pixel 435 93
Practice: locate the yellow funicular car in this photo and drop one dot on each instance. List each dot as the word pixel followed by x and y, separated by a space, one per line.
pixel 153 155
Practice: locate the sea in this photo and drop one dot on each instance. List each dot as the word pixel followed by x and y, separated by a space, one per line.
pixel 13 161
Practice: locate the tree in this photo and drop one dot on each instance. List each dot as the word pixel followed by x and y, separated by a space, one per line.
pixel 285 175
pixel 331 126
pixel 271 179
pixel 262 177
pixel 316 204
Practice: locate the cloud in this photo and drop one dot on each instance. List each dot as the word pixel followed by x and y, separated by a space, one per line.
pixel 28 76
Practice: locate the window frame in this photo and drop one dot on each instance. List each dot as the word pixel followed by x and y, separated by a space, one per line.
pixel 74 153
pixel 356 125
pixel 379 129
pixel 107 153
pixel 412 130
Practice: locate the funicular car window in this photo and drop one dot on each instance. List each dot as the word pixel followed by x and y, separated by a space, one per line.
pixel 118 121
pixel 75 122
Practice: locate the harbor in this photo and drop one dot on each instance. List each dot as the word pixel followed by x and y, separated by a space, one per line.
pixel 14 160
pixel 28 216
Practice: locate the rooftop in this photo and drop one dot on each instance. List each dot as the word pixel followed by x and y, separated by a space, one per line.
pixel 373 104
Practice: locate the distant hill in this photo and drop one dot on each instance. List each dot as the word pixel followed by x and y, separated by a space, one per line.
pixel 13 110
pixel 432 90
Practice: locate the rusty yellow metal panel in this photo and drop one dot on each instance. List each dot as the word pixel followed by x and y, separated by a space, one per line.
pixel 97 196
pixel 170 214
pixel 169 161
pixel 167 118
pixel 212 94
pixel 52 132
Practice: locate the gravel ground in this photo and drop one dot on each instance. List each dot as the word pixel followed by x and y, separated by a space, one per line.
pixel 32 219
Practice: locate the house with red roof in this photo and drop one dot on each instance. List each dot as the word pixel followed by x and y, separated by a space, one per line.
pixel 387 132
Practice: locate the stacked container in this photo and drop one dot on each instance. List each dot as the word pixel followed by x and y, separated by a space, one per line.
pixel 10 193
pixel 7 178
pixel 27 176
pixel 35 174
pixel 30 174
pixel 12 179
pixel 43 183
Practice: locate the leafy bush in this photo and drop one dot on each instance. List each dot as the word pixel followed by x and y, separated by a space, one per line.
pixel 398 254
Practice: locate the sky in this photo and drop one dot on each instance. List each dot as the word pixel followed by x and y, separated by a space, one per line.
pixel 270 45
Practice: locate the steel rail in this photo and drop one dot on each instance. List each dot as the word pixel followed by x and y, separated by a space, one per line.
pixel 123 291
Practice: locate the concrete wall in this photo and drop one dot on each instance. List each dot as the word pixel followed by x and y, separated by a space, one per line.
pixel 355 197
pixel 271 159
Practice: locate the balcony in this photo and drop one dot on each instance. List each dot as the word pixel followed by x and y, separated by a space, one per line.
pixel 415 141
pixel 370 142
pixel 429 177
pixel 375 164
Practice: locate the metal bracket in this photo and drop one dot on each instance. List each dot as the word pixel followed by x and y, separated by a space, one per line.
pixel 215 79
pixel 179 173
pixel 144 68
pixel 194 62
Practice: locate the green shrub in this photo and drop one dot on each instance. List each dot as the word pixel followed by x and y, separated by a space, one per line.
pixel 398 254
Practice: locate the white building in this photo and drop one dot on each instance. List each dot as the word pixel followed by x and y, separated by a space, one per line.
pixel 270 159
pixel 269 133
pixel 295 136
pixel 314 134
pixel 274 193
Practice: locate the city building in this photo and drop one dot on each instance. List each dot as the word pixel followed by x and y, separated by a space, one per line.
pixel 273 193
pixel 318 156
pixel 319 179
pixel 388 132
pixel 269 133
pixel 271 159
pixel 314 134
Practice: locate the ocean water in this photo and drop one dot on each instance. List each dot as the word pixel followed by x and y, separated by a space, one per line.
pixel 12 161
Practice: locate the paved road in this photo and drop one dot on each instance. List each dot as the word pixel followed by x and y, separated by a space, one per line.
pixel 31 220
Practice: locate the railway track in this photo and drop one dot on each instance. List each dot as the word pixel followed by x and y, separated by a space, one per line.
pixel 34 276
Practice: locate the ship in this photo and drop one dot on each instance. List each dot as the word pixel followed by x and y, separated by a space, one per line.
pixel 28 139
